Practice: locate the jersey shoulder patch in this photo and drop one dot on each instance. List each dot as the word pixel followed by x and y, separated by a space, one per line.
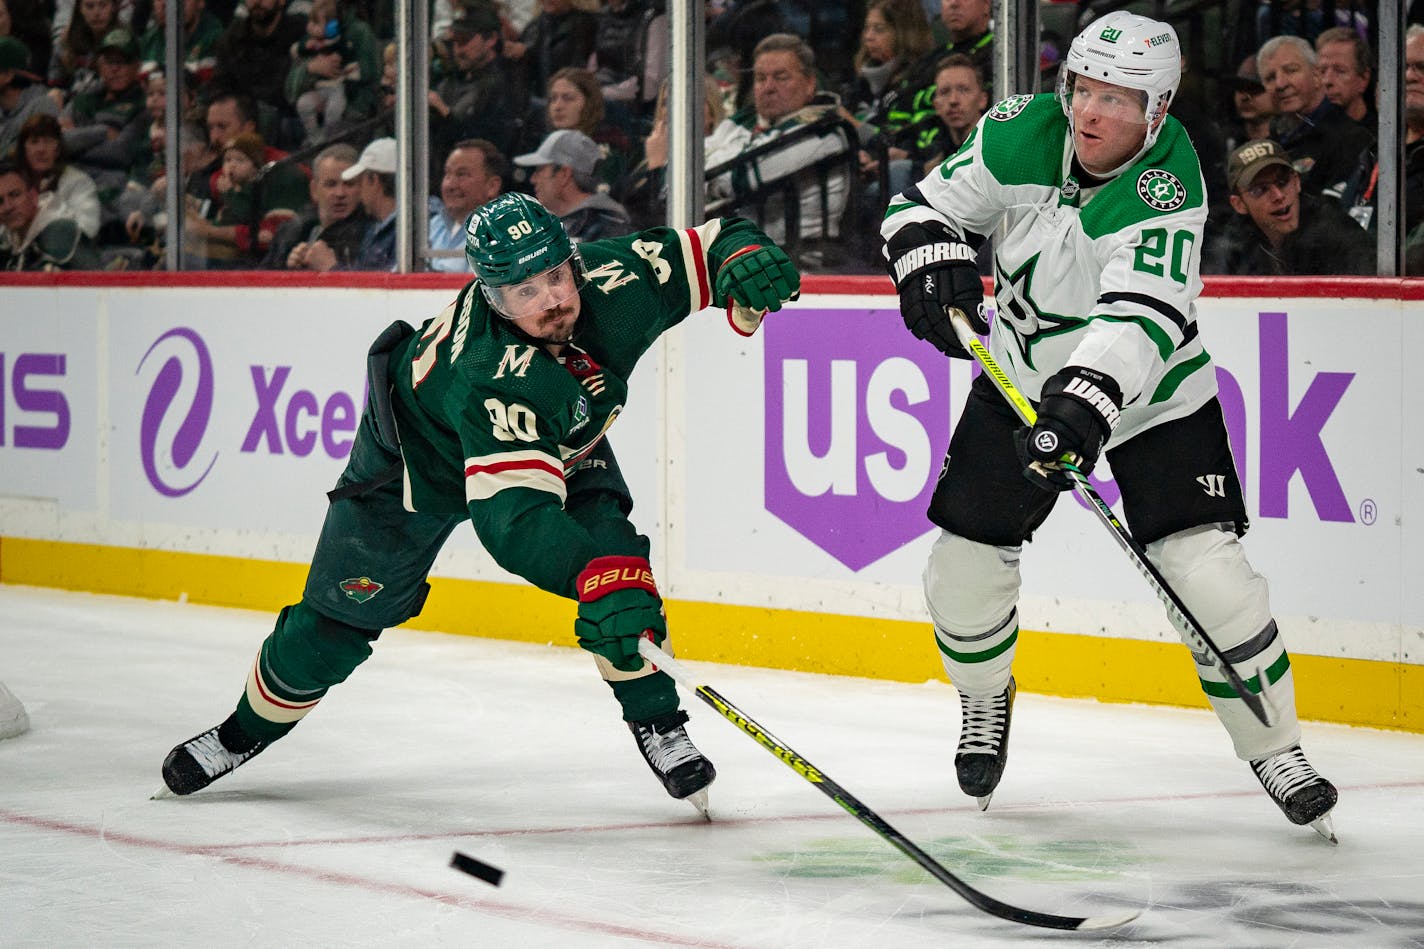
pixel 1022 141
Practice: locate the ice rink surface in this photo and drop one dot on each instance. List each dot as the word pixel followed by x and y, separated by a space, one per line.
pixel 341 834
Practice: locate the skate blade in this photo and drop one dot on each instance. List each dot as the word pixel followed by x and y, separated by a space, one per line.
pixel 983 802
pixel 698 799
pixel 161 793
pixel 1325 827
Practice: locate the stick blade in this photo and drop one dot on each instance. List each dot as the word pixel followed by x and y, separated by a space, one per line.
pixel 1109 922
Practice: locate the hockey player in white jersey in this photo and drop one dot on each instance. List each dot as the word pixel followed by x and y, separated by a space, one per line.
pixel 1095 202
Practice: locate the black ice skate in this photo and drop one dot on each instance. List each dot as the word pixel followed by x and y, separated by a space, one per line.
pixel 204 758
pixel 674 759
pixel 1299 791
pixel 983 743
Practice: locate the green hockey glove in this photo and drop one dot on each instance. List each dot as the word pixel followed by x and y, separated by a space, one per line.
pixel 618 603
pixel 754 280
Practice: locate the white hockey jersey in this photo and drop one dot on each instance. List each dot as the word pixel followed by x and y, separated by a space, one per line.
pixel 1104 277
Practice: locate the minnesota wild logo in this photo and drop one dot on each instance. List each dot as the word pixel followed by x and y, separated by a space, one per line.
pixel 361 589
pixel 1162 190
pixel 1010 107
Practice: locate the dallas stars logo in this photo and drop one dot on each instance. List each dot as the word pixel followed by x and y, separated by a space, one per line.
pixel 1161 190
pixel 1010 107
pixel 1014 302
pixel 361 589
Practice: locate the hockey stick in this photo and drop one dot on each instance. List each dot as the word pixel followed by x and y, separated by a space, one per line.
pixel 1177 612
pixel 865 815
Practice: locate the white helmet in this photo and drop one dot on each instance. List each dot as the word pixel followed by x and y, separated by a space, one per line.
pixel 1126 50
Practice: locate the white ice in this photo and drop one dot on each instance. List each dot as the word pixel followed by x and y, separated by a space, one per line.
pixel 341 834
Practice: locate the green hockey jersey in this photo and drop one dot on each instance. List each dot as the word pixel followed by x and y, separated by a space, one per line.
pixel 491 424
pixel 1104 276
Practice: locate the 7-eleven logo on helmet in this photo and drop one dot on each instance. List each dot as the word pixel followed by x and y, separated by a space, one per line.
pixel 361 589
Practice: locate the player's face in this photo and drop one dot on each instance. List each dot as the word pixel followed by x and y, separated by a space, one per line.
pixel 545 306
pixel 1343 83
pixel 959 99
pixel 1109 123
pixel 779 85
pixel 1292 80
pixel 1272 199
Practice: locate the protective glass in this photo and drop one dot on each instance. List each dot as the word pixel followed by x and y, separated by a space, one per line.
pixel 540 293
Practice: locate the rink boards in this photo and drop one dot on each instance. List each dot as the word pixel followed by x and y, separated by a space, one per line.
pixel 174 441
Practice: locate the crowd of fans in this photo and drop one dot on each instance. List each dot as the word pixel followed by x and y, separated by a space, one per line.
pixel 288 161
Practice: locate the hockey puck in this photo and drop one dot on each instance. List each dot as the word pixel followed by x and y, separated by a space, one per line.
pixel 475 868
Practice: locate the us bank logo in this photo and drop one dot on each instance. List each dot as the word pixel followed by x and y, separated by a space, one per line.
pixel 857 418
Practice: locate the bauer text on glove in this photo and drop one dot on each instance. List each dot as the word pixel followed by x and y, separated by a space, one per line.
pixel 932 270
pixel 618 602
pixel 1076 416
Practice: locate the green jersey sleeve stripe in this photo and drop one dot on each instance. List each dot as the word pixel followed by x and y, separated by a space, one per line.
pixel 1159 337
pixel 1174 378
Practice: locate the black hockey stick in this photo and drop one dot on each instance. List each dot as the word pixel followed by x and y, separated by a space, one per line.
pixel 1177 612
pixel 864 814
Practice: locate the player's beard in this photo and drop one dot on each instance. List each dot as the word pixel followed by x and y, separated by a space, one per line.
pixel 552 319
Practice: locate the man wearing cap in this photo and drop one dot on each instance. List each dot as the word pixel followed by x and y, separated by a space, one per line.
pixel 22 94
pixel 34 237
pixel 1278 230
pixel 1325 145
pixel 565 181
pixel 472 98
pixel 375 176
pixel 104 129
pixel 1254 106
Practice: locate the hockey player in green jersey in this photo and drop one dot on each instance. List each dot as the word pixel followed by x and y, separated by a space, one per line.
pixel 1095 202
pixel 495 412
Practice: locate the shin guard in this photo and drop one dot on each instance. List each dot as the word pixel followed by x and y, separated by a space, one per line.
pixel 972 592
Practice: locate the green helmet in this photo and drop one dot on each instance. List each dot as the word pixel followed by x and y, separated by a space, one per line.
pixel 513 238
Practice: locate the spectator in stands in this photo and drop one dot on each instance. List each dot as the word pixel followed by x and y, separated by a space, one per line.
pixel 565 180
pixel 643 191
pixel 1277 228
pixel 1253 105
pixel 630 58
pixel 40 157
pixel 1323 142
pixel 143 208
pixel 961 98
pixel 330 229
pixel 201 31
pixel 1346 65
pixel 963 27
pixel 894 41
pixel 321 103
pixel 244 216
pixel 36 235
pixel 22 94
pixel 253 56
pixel 375 177
pixel 474 98
pixel 1414 149
pixel 72 64
pixel 351 66
pixel 474 174
pixel 559 37
pixel 29 22
pixel 1304 18
pixel 104 129
pixel 229 115
pixel 784 100
pixel 576 102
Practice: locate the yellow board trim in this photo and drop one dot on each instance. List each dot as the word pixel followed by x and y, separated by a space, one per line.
pixel 1348 691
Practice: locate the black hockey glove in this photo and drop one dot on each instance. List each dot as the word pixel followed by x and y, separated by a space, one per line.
pixel 618 604
pixel 933 269
pixel 1077 414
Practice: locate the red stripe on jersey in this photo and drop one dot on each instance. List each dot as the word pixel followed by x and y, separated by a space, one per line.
pixel 699 259
pixel 502 466
pixel 269 697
